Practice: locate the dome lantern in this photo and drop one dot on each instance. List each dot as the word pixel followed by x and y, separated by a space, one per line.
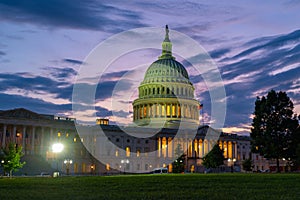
pixel 166 46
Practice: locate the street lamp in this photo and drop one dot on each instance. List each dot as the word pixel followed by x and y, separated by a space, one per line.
pixel 125 162
pixel 57 148
pixel 231 163
pixel 68 162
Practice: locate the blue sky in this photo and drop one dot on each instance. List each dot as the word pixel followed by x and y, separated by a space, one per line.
pixel 255 44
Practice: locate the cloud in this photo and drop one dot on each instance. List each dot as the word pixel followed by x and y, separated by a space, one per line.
pixel 74 14
pixel 219 53
pixel 8 101
pixel 72 61
pixel 2 53
pixel 61 73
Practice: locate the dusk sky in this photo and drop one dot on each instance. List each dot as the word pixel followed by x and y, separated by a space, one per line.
pixel 43 44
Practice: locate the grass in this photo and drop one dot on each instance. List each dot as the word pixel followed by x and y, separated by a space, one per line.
pixel 170 186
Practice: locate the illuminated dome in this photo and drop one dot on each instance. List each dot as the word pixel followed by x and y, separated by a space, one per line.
pixel 166 95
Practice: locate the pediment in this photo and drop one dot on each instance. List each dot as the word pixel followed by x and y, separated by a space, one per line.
pixel 21 113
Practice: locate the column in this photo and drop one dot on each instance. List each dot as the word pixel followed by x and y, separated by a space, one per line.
pixel 193 148
pixel 23 139
pixel 208 146
pixel 225 149
pixel 14 134
pixel 202 148
pixel 32 140
pixel 173 150
pixel 170 147
pixel 4 135
pixel 159 147
pixel 235 150
pixel 51 135
pixel 42 141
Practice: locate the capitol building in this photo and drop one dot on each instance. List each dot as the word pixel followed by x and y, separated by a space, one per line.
pixel 165 117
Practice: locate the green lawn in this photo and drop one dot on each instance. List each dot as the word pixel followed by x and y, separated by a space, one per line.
pixel 189 186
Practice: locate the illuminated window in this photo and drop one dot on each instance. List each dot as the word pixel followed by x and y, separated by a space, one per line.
pixel 127 151
pixel 81 139
pixel 157 110
pixel 75 139
pixel 58 134
pixel 107 167
pixel 67 134
pixel 117 153
pixel 138 153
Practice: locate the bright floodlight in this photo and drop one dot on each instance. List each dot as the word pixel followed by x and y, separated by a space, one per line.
pixel 57 148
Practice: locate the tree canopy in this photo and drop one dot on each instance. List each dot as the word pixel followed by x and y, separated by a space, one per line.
pixel 214 158
pixel 179 163
pixel 247 164
pixel 274 125
pixel 10 160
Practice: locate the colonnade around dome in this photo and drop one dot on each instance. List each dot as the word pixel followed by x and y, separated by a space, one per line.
pixel 166 110
pixel 166 91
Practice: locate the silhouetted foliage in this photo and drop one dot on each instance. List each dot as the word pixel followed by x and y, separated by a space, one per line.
pixel 247 165
pixel 179 163
pixel 10 160
pixel 274 125
pixel 214 158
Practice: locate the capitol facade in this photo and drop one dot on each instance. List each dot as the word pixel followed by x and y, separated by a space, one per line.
pixel 165 116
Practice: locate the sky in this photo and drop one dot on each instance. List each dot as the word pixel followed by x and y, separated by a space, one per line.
pixel 44 45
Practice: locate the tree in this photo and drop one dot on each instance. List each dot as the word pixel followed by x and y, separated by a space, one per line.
pixel 178 164
pixel 214 158
pixel 293 151
pixel 247 164
pixel 273 126
pixel 11 159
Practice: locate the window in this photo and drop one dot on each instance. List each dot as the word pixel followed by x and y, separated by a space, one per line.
pixel 138 152
pixel 127 151
pixel 117 140
pixel 128 141
pixel 117 153
pixel 58 134
pixel 107 167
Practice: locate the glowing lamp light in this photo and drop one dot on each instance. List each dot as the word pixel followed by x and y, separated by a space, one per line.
pixel 57 148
